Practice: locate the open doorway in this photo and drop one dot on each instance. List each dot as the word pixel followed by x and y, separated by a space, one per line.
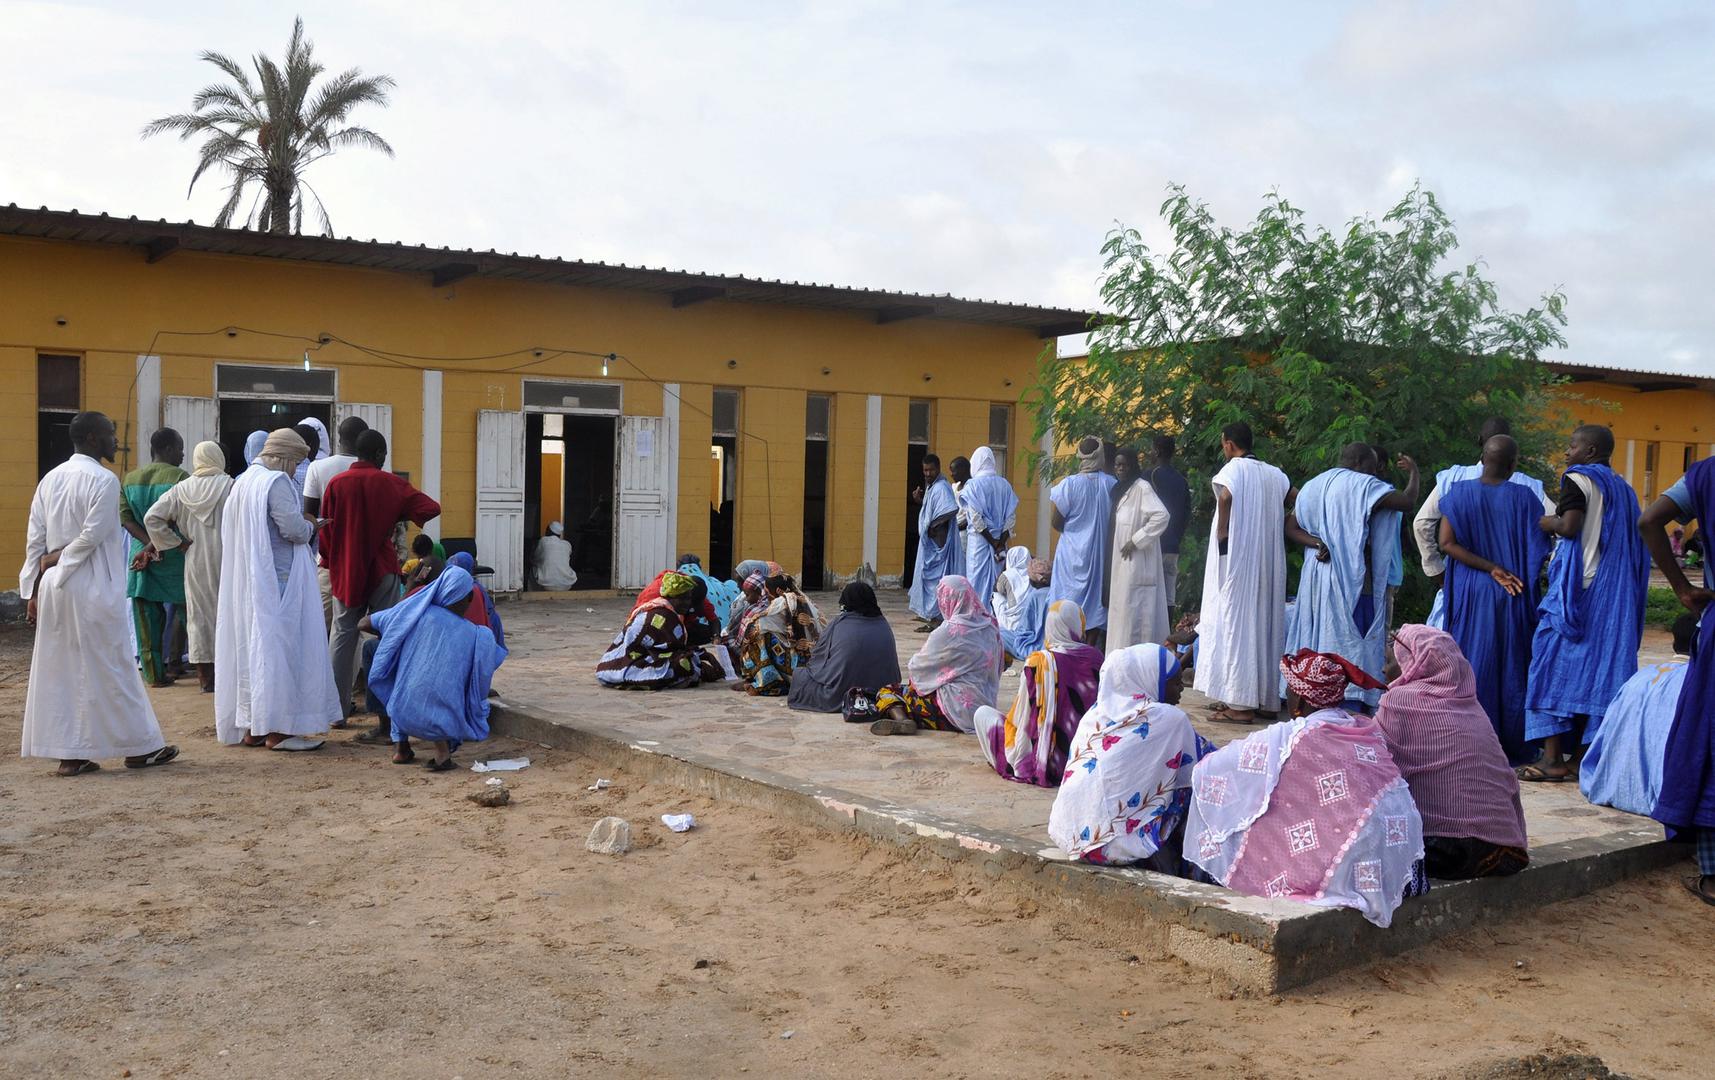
pixel 916 448
pixel 240 416
pixel 817 418
pixel 723 494
pixel 569 478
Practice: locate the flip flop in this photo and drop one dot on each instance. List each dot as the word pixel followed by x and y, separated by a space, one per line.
pixel 1694 885
pixel 374 738
pixel 1534 774
pixel 159 757
pixel 88 766
pixel 298 744
pixel 441 766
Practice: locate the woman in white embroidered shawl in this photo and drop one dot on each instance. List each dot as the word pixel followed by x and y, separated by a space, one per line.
pixel 1313 808
pixel 956 670
pixel 1137 599
pixel 1128 781
pixel 273 680
pixel 190 513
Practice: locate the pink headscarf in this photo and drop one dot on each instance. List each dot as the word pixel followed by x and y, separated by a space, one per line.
pixel 960 662
pixel 1321 678
pixel 1444 744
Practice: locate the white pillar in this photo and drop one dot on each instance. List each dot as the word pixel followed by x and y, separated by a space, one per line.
pixel 871 479
pixel 1044 508
pixel 430 481
pixel 1631 457
pixel 670 410
pixel 147 418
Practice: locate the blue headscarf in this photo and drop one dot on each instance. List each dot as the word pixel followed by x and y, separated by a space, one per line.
pixel 720 593
pixel 465 561
pixel 253 446
pixel 400 626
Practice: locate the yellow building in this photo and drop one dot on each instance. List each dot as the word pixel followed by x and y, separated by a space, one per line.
pixel 654 411
pixel 1663 422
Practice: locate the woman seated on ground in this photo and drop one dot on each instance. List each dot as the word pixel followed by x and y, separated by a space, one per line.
pixel 432 668
pixel 1311 808
pixel 1030 622
pixel 778 642
pixel 1126 787
pixel 956 671
pixel 747 607
pixel 653 651
pixel 1624 763
pixel 1010 586
pixel 856 651
pixel 720 594
pixel 1448 752
pixel 1055 689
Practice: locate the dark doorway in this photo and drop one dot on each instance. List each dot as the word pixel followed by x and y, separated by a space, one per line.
pixel 723 499
pixel 818 415
pixel 586 479
pixel 240 416
pixel 914 455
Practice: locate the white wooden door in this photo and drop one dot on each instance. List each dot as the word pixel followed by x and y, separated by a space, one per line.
pixel 378 417
pixel 500 497
pixel 646 468
pixel 196 419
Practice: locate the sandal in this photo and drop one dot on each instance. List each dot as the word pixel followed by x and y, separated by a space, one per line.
pixel 1536 774
pixel 889 726
pixel 406 758
pixel 159 757
pixel 1694 885
pixel 82 767
pixel 441 766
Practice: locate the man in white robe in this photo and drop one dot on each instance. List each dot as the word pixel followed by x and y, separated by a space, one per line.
pixel 554 560
pixel 273 682
pixel 1137 596
pixel 1083 507
pixel 1347 518
pixel 1242 635
pixel 85 700
pixel 1426 525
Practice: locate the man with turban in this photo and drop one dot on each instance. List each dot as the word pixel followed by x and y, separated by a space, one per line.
pixel 554 560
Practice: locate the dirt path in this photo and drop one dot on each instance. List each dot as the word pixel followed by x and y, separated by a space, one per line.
pixel 242 913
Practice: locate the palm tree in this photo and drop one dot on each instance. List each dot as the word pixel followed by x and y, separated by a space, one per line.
pixel 270 131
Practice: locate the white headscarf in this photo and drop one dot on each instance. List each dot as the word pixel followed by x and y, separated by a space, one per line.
pixel 982 462
pixel 1065 625
pixel 1132 678
pixel 203 493
pixel 321 436
pixel 556 528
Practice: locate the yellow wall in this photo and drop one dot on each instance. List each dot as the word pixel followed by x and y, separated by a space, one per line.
pixel 1676 419
pixel 116 306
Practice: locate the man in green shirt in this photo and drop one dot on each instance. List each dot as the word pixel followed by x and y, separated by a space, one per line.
pixel 157 578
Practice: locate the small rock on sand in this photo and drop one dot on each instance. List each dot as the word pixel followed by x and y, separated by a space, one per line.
pixel 490 796
pixel 611 836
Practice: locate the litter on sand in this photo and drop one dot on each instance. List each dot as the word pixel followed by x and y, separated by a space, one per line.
pixel 678 822
pixel 611 836
pixel 600 785
pixel 501 765
pixel 495 781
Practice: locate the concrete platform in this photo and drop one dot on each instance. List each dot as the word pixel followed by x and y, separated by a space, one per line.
pixel 936 792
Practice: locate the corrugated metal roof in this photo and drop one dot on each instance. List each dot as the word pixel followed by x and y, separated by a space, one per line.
pixel 157 240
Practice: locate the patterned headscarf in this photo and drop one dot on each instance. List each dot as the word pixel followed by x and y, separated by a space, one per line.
pixel 1064 626
pixel 1321 678
pixel 677 584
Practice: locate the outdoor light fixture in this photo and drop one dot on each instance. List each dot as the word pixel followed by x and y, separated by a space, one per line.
pixel 306 359
pixel 60 320
pixel 731 364
pixel 232 331
pixel 604 363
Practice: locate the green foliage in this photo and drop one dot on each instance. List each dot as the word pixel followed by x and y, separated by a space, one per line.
pixel 1316 339
pixel 1662 608
pixel 268 132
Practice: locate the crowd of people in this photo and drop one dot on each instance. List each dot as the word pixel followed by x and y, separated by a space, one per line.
pixel 280 586
pixel 1384 756
pixel 1387 755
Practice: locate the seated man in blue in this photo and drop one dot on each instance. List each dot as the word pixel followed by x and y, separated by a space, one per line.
pixel 433 668
pixel 1622 767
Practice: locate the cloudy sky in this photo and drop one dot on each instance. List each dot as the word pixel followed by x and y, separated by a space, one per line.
pixel 982 149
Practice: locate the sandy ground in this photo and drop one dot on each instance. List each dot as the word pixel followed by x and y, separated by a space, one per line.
pixel 242 913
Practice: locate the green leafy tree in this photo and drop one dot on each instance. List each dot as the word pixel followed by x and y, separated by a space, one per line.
pixel 1316 339
pixel 266 133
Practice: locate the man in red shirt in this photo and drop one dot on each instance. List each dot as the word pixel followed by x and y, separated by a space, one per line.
pixel 361 506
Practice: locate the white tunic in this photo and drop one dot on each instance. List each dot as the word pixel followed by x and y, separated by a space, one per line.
pixel 85 698
pixel 554 564
pixel 1137 602
pixel 272 674
pixel 1243 628
pixel 202 561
